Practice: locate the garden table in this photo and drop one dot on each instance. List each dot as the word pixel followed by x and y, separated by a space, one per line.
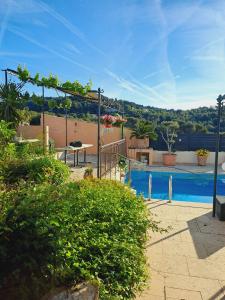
pixel 75 151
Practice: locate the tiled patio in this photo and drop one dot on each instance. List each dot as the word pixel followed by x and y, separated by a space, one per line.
pixel 187 262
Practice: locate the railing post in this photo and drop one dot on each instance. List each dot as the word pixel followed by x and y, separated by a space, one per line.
pixel 129 171
pixel 150 186
pixel 170 188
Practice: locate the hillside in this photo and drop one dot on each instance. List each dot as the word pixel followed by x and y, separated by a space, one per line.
pixel 202 119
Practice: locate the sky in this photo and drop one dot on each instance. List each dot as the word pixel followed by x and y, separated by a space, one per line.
pixel 163 53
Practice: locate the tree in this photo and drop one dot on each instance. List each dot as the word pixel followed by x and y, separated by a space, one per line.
pixel 168 130
pixel 12 99
pixel 144 129
pixel 201 128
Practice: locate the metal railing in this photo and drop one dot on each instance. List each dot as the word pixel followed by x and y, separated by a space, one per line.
pixel 110 155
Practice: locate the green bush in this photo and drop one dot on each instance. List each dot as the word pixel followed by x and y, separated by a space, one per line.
pixel 59 236
pixel 38 170
pixel 27 150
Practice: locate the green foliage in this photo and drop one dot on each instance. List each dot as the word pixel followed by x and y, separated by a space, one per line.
pixel 122 163
pixel 144 129
pixel 6 133
pixel 66 104
pixel 202 152
pixel 7 147
pixel 53 82
pixel 37 100
pixel 38 170
pixel 23 73
pixel 12 99
pixel 168 130
pixel 56 236
pixel 28 150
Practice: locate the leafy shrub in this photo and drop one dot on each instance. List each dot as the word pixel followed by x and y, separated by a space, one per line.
pixel 55 236
pixel 39 170
pixel 26 150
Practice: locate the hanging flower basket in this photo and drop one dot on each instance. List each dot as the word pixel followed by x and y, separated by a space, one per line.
pixel 108 121
pixel 119 120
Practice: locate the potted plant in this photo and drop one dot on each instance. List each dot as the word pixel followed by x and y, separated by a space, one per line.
pixel 119 120
pixel 168 130
pixel 108 120
pixel 142 132
pixel 88 173
pixel 202 155
pixel 122 166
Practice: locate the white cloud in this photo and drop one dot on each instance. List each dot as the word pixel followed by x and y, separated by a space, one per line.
pixel 72 48
pixel 5 20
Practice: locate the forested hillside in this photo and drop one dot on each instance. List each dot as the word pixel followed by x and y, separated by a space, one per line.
pixel 202 119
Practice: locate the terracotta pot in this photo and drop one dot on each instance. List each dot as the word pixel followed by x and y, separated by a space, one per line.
pixel 202 160
pixel 108 125
pixel 169 159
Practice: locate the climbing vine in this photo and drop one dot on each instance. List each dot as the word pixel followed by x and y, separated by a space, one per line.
pixel 52 81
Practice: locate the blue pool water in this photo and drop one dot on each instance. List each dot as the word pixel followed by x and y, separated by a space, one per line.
pixel 186 186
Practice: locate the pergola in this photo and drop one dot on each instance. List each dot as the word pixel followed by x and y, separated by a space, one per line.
pixel 92 95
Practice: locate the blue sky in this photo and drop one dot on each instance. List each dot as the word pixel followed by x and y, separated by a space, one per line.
pixel 167 53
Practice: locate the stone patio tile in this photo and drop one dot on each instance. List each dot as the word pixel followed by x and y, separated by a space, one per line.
pixel 206 268
pixel 169 264
pixel 155 287
pixel 154 250
pixel 175 293
pixel 215 249
pixel 149 297
pixel 210 289
pixel 184 248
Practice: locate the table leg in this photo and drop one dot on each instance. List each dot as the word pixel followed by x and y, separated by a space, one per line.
pixel 85 155
pixel 74 158
pixel 65 155
pixel 77 157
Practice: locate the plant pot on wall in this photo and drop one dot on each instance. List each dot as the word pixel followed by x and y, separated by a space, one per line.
pixel 202 155
pixel 169 159
pixel 202 160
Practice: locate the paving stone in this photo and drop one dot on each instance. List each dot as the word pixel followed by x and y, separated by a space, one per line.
pixel 188 261
pixel 175 293
pixel 210 289
pixel 170 264
pixel 206 268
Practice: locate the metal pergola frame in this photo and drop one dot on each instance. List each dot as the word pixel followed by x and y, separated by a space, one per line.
pixel 92 95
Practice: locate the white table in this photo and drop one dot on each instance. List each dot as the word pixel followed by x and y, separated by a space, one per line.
pixel 27 141
pixel 75 151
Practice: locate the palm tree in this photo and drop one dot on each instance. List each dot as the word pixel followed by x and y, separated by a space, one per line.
pixel 144 129
pixel 12 100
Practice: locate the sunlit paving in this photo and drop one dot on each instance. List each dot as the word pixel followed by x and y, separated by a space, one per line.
pixel 112 150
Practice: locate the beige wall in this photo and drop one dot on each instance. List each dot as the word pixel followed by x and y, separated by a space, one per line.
pixel 84 131
pixel 188 157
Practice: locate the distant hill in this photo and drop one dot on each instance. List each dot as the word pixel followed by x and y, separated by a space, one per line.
pixel 201 120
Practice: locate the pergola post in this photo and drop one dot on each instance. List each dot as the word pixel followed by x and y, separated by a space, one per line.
pixel 6 77
pixel 66 124
pixel 98 136
pixel 43 118
pixel 219 104
pixel 122 126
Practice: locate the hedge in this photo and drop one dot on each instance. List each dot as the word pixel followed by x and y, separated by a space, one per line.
pixel 37 170
pixel 61 235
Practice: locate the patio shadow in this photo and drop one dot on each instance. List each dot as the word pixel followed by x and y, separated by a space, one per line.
pixel 210 235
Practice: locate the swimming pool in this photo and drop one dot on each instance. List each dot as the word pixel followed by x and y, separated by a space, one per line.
pixel 186 186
